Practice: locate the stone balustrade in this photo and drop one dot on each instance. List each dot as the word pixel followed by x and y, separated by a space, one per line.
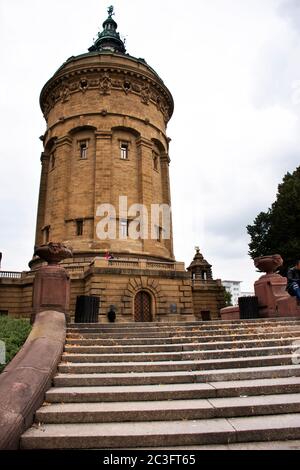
pixel 123 263
pixel 10 274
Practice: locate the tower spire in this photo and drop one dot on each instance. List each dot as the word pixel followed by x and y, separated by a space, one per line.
pixel 109 39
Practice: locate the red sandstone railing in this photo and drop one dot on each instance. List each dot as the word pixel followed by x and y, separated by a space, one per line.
pixel 29 376
pixel 10 274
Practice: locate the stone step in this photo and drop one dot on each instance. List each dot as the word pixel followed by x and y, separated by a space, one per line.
pixel 264 321
pixel 171 339
pixel 153 433
pixel 166 377
pixel 168 332
pixel 186 391
pixel 185 355
pixel 121 349
pixel 212 325
pixel 175 365
pixel 134 333
pixel 291 444
pixel 168 410
pixel 189 361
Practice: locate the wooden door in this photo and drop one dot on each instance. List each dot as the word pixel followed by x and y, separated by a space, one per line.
pixel 142 307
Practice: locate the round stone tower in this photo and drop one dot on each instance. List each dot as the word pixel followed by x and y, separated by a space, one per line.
pixel 105 148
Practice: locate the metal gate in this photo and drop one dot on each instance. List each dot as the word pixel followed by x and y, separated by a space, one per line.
pixel 142 307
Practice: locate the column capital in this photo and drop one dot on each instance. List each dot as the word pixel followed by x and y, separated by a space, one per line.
pixel 44 157
pixel 164 157
pixel 65 140
pixel 142 142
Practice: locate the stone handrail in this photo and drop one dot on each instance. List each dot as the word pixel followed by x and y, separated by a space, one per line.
pixel 10 274
pixel 28 376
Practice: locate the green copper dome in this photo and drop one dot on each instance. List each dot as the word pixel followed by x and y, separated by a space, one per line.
pixel 109 39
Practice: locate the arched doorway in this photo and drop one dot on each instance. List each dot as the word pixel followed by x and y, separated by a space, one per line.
pixel 143 307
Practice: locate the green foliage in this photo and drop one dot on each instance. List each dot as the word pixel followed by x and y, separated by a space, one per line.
pixel 277 230
pixel 14 333
pixel 228 298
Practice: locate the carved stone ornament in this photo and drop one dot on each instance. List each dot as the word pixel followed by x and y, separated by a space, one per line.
pixel 53 253
pixel 146 94
pixel 65 94
pixel 105 85
pixel 83 85
pixel 268 264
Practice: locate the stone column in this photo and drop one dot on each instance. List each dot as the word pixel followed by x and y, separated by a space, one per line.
pixel 103 170
pixel 42 199
pixel 165 181
pixel 59 196
pixel 144 155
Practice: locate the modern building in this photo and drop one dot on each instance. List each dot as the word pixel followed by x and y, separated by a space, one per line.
pixel 105 192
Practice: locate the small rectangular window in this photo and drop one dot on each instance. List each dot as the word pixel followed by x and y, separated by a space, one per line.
pixel 83 150
pixel 124 228
pixel 79 228
pixel 46 234
pixel 205 314
pixel 124 151
pixel 158 233
pixel 3 313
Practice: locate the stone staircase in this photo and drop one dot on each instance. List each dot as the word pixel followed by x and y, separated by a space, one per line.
pixel 179 385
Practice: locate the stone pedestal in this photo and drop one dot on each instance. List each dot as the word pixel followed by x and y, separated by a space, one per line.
pixel 51 290
pixel 270 289
pixel 273 299
pixel 230 313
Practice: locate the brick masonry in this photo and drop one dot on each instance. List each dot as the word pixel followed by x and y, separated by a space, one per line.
pixel 103 101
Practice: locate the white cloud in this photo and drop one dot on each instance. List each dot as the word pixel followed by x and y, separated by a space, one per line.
pixel 231 66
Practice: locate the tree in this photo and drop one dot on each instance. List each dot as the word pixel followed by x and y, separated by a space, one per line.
pixel 278 229
pixel 228 298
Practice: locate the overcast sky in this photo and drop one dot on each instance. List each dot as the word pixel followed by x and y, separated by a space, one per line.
pixel 233 67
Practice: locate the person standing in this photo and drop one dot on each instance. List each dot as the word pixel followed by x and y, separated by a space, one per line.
pixel 293 284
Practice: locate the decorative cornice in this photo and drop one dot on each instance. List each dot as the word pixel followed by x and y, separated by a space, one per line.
pixel 105 79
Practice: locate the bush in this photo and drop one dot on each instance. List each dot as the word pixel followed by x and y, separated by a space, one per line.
pixel 14 333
